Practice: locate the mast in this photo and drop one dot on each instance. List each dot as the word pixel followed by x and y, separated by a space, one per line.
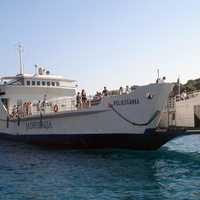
pixel 158 73
pixel 20 50
pixel 179 87
pixel 158 76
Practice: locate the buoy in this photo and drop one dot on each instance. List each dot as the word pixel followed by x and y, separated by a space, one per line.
pixel 55 108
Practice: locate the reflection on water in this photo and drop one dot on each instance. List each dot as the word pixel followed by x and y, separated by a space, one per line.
pixel 29 172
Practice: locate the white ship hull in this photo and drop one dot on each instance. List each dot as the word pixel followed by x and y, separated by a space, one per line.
pixel 123 121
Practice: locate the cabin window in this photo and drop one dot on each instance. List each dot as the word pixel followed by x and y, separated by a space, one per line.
pixel 38 82
pixel 28 83
pixel 33 82
pixel 57 84
pixel 48 83
pixel 43 83
pixel 53 83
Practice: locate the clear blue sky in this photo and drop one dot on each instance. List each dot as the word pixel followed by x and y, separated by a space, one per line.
pixel 103 42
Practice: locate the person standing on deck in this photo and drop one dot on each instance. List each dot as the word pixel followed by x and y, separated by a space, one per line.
pixel 105 92
pixel 127 91
pixel 84 98
pixel 121 90
pixel 38 106
pixel 78 100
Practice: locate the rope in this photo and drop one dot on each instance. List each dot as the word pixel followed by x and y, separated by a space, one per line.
pixel 135 123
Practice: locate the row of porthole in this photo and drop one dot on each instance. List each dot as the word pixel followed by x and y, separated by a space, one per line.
pixel 42 83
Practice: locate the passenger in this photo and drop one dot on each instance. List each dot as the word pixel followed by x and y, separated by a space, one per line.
pixel 29 108
pixel 38 106
pixel 84 98
pixel 42 106
pixel 132 88
pixel 19 110
pixel 24 109
pixel 150 96
pixel 121 90
pixel 127 91
pixel 96 99
pixel 14 111
pixel 184 95
pixel 98 96
pixel 78 100
pixel 105 92
pixel 45 98
pixel 44 102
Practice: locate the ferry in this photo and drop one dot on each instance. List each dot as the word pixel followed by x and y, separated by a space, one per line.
pixel 42 109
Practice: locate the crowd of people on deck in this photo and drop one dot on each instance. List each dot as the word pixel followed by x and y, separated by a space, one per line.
pixel 22 110
pixel 82 101
pixel 125 90
pixel 26 109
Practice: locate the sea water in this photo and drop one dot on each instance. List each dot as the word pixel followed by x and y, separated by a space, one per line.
pixel 172 172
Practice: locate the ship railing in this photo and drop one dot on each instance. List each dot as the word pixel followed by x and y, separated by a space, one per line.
pixel 185 96
pixel 44 107
pixel 54 105
pixel 62 104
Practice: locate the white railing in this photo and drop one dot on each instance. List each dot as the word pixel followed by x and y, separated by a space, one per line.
pixel 54 105
pixel 186 96
pixel 51 106
pixel 44 107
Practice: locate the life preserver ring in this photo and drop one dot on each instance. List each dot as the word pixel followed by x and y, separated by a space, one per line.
pixel 55 108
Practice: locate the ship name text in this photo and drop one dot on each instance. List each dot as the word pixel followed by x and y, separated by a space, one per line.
pixel 37 125
pixel 126 102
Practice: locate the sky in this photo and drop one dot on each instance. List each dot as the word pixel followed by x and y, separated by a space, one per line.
pixel 101 43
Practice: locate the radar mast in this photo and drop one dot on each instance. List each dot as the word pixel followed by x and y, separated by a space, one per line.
pixel 20 50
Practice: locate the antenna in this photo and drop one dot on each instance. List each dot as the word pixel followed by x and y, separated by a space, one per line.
pixel 179 86
pixel 158 78
pixel 158 72
pixel 20 50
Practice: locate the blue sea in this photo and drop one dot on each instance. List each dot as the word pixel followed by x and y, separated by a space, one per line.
pixel 172 172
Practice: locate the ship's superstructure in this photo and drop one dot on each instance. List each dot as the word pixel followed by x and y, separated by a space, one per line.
pixel 31 88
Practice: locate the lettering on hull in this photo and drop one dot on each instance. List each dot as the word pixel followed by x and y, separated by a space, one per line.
pixel 37 125
pixel 126 102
